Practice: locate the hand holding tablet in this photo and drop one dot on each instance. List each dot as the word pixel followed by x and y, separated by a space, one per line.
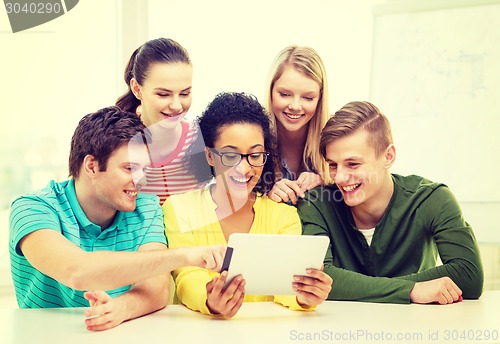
pixel 269 262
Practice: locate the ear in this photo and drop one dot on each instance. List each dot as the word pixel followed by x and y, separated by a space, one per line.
pixel 136 88
pixel 210 157
pixel 390 156
pixel 90 166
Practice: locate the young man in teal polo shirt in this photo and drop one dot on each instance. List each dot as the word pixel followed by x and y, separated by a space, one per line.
pixel 94 238
pixel 387 230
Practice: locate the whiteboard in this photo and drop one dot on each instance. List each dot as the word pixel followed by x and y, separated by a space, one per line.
pixel 436 75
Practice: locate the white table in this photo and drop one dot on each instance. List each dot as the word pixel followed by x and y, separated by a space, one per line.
pixel 332 322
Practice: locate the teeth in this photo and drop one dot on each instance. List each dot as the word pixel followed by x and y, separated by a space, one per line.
pixel 293 116
pixel 241 180
pixel 167 115
pixel 131 193
pixel 349 188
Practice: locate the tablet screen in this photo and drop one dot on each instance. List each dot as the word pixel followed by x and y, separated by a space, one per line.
pixel 268 262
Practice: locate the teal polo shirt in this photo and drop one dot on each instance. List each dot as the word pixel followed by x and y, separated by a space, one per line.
pixel 56 207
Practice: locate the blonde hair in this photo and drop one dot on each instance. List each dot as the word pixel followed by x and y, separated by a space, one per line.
pixel 308 62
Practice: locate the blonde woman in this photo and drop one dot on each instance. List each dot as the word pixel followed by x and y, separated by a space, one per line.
pixel 297 102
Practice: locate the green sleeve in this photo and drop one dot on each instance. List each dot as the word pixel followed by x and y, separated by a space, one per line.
pixel 349 285
pixel 455 242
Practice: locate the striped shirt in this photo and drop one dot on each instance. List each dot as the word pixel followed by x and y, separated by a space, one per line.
pixel 171 176
pixel 56 207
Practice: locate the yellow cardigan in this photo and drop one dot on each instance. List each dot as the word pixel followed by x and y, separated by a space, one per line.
pixel 190 220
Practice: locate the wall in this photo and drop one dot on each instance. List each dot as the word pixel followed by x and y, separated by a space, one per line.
pixel 435 74
pixel 232 44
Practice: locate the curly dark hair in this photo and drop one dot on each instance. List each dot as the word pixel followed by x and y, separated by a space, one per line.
pixel 101 133
pixel 225 109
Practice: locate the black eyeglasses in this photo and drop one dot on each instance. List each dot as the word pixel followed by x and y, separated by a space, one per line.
pixel 231 159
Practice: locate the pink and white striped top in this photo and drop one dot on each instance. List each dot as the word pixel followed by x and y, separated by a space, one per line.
pixel 170 176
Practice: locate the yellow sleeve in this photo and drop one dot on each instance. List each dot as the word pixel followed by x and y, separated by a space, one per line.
pixel 191 289
pixel 288 221
pixel 190 281
pixel 290 301
pixel 175 220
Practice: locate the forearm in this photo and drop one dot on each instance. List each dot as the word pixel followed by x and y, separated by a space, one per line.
pixel 467 275
pixel 352 286
pixel 55 256
pixel 146 297
pixel 109 270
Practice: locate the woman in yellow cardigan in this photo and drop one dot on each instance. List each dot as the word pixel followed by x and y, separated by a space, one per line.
pixel 239 150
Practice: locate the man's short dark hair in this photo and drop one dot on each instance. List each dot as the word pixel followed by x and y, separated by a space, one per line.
pixel 101 133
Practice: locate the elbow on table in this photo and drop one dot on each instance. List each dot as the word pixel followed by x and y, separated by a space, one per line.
pixel 473 292
pixel 163 294
pixel 473 289
pixel 474 295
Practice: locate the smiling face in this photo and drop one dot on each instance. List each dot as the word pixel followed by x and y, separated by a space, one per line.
pixel 294 99
pixel 361 175
pixel 165 94
pixel 238 181
pixel 117 187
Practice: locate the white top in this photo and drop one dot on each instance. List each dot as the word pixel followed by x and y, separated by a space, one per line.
pixel 368 234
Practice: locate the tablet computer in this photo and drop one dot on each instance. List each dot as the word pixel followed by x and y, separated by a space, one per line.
pixel 268 262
